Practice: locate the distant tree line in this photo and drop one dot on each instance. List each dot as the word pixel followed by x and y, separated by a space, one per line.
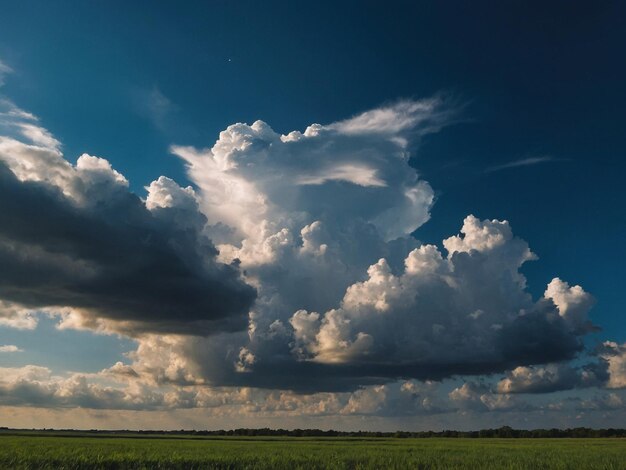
pixel 502 432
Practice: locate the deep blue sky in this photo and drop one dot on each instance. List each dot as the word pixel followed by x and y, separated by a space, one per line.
pixel 537 80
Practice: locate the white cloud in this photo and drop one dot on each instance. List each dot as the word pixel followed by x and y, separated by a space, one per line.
pixel 10 348
pixel 37 386
pixel 165 193
pixel 39 136
pixel 545 379
pixel 424 116
pixel 482 236
pixel 359 175
pixel 254 176
pixel 16 316
pixel 121 387
pixel 21 125
pixel 573 302
pixel 478 397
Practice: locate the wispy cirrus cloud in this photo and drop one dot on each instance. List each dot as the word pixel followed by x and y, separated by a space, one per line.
pixel 4 71
pixel 153 105
pixel 528 161
pixel 18 123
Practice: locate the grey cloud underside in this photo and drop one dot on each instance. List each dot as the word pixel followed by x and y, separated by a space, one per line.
pixel 532 339
pixel 114 260
pixel 466 315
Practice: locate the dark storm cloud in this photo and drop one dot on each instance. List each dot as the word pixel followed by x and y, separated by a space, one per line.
pixel 114 259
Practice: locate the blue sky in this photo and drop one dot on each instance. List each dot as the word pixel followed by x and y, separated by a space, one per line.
pixel 533 134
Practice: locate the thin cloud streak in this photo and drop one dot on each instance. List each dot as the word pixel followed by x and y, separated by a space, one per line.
pixel 522 162
pixel 4 71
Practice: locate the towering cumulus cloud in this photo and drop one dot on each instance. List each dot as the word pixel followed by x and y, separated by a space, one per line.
pixel 290 263
pixel 320 222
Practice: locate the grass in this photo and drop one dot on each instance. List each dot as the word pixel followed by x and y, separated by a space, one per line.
pixel 71 452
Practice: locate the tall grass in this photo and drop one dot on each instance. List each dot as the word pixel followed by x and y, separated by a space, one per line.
pixel 28 452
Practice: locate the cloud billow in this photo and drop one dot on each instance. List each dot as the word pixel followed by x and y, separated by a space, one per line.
pixel 464 314
pixel 83 245
pixel 289 265
pixel 320 222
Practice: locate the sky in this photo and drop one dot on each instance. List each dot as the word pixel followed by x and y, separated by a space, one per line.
pixel 348 215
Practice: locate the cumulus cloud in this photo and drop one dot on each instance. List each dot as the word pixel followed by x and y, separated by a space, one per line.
pixel 608 370
pixel 16 316
pixel 573 303
pixel 10 348
pixel 122 388
pixel 615 356
pixel 553 377
pixel 284 279
pixel 37 386
pixel 303 215
pixel 479 397
pixel 75 239
pixel 75 242
pixel 465 313
pixel 320 223
pixel 338 173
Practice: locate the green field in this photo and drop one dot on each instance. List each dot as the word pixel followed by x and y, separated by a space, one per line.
pixel 55 452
